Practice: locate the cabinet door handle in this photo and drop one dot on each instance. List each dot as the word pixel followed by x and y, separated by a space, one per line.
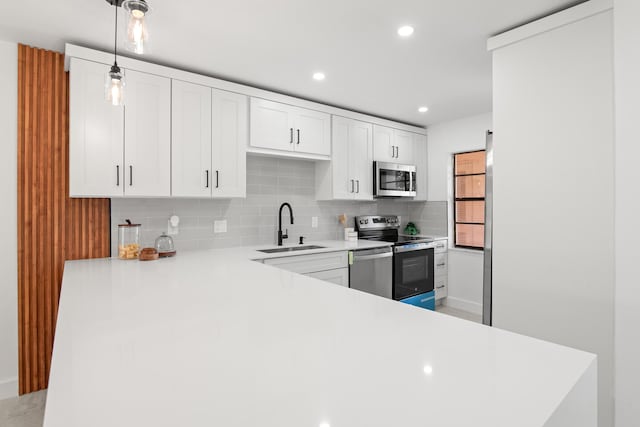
pixel 217 179
pixel 397 152
pixel 352 186
pixel 207 172
pixel 117 175
pixel 130 176
pixel 298 131
pixel 290 135
pixel 441 265
pixel 439 287
pixel 358 186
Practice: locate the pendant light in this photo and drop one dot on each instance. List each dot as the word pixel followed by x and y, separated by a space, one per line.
pixel 137 39
pixel 114 88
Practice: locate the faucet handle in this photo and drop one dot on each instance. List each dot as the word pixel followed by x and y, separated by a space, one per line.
pixel 302 240
pixel 286 233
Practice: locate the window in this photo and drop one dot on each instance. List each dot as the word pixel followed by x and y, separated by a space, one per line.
pixel 468 192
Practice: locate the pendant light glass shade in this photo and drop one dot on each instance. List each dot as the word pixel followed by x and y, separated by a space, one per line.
pixel 114 87
pixel 137 37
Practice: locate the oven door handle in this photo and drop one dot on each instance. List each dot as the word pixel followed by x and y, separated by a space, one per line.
pixel 372 257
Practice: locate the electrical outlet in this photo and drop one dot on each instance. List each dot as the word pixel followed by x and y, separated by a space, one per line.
pixel 314 222
pixel 220 226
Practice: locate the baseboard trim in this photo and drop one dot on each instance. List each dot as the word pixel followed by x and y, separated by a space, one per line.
pixel 464 305
pixel 8 388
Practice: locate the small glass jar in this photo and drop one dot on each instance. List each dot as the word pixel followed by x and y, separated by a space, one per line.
pixel 164 246
pixel 129 240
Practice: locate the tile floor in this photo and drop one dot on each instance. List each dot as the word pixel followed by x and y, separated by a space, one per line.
pixel 23 411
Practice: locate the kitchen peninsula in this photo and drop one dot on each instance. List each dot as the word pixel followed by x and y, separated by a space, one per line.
pixel 213 338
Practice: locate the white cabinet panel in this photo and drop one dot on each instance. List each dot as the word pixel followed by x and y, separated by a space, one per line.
pixel 191 140
pixel 349 175
pixel 361 159
pixel 96 134
pixel 440 266
pixel 271 125
pixel 230 133
pixel 147 135
pixel 404 143
pixel 383 147
pixel 392 145
pixel 420 153
pixel 276 126
pixel 311 263
pixel 339 173
pixel 313 132
pixel 338 277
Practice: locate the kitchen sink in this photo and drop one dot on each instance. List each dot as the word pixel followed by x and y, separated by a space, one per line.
pixel 291 249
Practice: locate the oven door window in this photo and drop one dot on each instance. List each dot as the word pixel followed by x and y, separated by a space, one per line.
pixel 392 180
pixel 413 273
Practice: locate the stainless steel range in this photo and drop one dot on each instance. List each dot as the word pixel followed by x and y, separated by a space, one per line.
pixel 413 259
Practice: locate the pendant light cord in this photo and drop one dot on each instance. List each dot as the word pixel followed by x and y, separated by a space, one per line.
pixel 115 45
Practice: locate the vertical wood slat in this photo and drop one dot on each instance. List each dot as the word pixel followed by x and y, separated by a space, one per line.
pixel 52 227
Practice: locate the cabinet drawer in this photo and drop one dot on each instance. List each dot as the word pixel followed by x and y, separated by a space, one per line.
pixel 440 282
pixel 440 266
pixel 311 263
pixel 339 276
pixel 440 246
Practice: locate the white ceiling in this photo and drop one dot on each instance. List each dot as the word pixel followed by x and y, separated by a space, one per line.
pixel 279 44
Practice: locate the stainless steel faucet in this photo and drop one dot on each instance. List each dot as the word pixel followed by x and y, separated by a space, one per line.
pixel 285 235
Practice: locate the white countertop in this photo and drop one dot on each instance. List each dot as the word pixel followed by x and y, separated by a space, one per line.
pixel 210 338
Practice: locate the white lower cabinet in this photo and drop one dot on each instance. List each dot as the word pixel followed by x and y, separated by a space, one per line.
pixel 441 267
pixel 338 276
pixel 331 267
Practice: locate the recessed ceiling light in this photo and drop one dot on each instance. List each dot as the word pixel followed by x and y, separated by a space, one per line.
pixel 318 76
pixel 405 31
pixel 428 370
pixel 423 109
pixel 325 425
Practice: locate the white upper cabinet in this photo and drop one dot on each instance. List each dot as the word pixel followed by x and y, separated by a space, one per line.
pixel 229 144
pixel 313 132
pixel 191 172
pixel 392 145
pixel 147 135
pixel 282 127
pixel 349 175
pixel 96 134
pixel 420 152
pixel 404 143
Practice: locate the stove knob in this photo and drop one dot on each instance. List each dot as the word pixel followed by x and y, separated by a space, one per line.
pixel 366 221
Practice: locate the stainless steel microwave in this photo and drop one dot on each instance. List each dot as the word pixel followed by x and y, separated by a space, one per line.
pixel 394 180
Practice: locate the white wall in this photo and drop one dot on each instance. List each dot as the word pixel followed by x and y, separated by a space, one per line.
pixel 627 303
pixel 553 254
pixel 8 213
pixel 445 139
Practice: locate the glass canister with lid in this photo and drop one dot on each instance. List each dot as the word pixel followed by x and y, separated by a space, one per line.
pixel 129 240
pixel 164 246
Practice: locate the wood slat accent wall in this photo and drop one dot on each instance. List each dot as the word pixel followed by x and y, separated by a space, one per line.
pixel 52 227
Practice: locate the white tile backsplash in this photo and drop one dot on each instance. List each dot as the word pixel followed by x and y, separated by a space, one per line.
pixel 254 220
